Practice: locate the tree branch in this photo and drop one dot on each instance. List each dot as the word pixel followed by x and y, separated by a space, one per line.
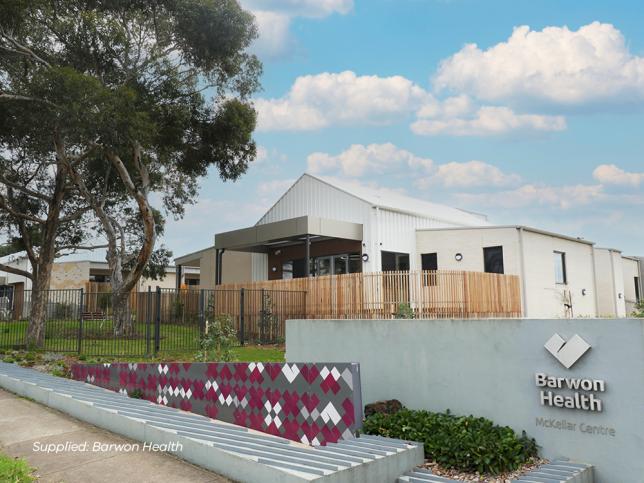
pixel 24 189
pixel 16 271
pixel 17 214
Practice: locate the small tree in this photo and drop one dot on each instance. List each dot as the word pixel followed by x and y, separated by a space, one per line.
pixel 218 340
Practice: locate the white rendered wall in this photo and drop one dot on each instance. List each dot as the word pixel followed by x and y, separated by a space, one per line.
pixel 610 283
pixel 630 268
pixel 542 297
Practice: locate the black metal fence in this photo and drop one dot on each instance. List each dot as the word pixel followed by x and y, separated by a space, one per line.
pixel 161 320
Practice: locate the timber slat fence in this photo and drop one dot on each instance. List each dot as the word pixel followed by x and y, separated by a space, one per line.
pixel 429 294
pixel 174 320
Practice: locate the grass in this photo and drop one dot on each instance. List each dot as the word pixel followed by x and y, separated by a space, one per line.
pixel 14 470
pixel 60 364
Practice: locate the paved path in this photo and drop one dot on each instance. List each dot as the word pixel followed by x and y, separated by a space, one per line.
pixel 23 423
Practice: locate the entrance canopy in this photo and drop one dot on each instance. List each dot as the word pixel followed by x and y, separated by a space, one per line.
pixel 262 238
pixel 279 235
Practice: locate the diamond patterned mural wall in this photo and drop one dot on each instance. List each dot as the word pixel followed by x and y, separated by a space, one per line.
pixel 311 403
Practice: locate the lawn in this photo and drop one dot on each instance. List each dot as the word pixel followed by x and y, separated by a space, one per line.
pixel 15 470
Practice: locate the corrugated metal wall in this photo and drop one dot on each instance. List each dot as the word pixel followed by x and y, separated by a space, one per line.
pixel 383 229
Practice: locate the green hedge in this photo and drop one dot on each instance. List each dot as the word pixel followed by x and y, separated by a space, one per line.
pixel 461 443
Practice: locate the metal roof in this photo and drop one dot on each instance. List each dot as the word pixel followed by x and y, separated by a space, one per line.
pixel 394 201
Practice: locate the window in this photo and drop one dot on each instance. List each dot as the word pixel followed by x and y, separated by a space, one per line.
pixel 638 295
pixel 429 261
pixel 287 270
pixel 493 259
pixel 392 261
pixel 561 277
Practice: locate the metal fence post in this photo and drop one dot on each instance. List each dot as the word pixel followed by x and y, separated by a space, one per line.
pixel 80 321
pixel 148 315
pixel 241 316
pixel 157 324
pixel 264 320
pixel 202 315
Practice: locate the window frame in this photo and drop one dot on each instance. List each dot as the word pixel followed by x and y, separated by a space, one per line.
pixel 564 267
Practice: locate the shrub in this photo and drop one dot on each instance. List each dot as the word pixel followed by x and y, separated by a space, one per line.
pixel 460 443
pixel 639 310
pixel 404 311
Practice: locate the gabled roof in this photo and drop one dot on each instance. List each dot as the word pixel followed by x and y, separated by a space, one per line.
pixel 392 200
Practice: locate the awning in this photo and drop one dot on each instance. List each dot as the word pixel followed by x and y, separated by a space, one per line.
pixel 261 238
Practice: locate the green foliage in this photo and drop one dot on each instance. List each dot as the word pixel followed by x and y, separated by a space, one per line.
pixel 639 310
pixel 136 394
pixel 219 340
pixel 404 311
pixel 13 470
pixel 461 443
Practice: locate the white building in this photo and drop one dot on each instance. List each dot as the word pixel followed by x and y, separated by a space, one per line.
pixel 325 226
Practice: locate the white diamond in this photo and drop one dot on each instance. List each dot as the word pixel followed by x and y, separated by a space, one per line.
pixel 159 399
pixel 182 392
pixel 277 408
pixel 348 377
pixel 189 393
pixel 335 373
pixel 160 368
pixel 165 400
pixel 260 366
pixel 267 406
pixel 315 414
pixel 304 412
pixel 277 421
pixel 304 439
pixel 221 399
pixel 267 419
pixel 207 385
pixel 165 369
pixel 229 400
pixel 251 366
pixel 244 402
pixel 324 372
pixel 315 442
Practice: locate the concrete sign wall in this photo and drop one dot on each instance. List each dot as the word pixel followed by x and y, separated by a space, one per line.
pixel 311 403
pixel 576 386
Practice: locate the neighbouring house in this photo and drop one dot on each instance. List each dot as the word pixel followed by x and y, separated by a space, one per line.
pixel 326 226
pixel 86 274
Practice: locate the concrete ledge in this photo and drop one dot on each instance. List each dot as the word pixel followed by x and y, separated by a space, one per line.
pixel 234 452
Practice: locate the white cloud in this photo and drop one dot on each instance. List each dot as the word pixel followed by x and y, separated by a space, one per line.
pixel 274 19
pixel 317 101
pixel 469 174
pixel 612 174
pixel 275 37
pixel 485 121
pixel 359 160
pixel 563 197
pixel 301 8
pixel 556 64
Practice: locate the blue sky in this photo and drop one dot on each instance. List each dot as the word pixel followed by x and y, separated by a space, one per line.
pixel 529 111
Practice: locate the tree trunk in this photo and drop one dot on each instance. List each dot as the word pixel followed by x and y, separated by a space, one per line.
pixel 122 315
pixel 38 310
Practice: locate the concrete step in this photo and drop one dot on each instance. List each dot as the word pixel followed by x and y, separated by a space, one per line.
pixel 559 471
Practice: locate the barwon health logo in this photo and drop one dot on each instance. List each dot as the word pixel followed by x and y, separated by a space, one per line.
pixel 567 352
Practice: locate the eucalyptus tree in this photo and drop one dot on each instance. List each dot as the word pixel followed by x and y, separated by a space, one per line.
pixel 136 100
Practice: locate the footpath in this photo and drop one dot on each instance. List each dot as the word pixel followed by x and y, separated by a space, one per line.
pixel 86 454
